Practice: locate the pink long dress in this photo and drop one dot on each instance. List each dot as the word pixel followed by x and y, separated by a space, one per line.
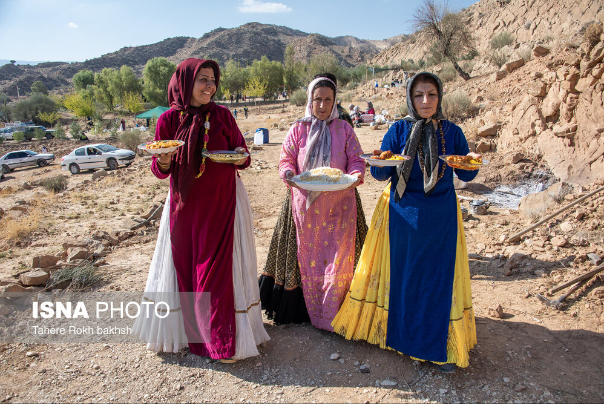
pixel 326 231
pixel 202 238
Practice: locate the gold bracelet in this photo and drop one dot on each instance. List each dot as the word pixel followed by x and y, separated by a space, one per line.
pixel 163 166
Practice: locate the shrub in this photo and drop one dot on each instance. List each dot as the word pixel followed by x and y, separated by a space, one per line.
pixel 345 97
pixel 498 58
pixel 404 110
pixel 55 184
pixel 456 105
pixel 468 65
pixel 448 73
pixel 526 54
pixel 80 277
pixel 75 129
pixel 298 98
pixel 18 136
pixel 60 132
pixel 502 39
pixel 39 134
pixel 593 33
pixel 131 139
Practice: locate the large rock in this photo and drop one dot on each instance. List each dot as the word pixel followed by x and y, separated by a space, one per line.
pixel 513 65
pixel 498 75
pixel 34 278
pixel 44 261
pixel 540 51
pixel 537 88
pixel 535 205
pixel 559 190
pixel 77 253
pixel 489 129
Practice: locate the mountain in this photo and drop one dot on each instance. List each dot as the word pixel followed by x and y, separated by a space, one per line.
pixel 245 43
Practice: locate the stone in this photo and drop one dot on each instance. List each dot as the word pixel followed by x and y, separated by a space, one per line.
pixel 598 292
pixel 34 278
pixel 77 253
pixel 540 51
pixel 537 88
pixel 578 215
pixel 31 354
pixel 540 273
pixel 26 185
pixel 535 205
pixel 151 210
pixel 99 174
pixel 498 75
pixel 558 241
pixel 519 387
pixel 580 240
pixel 442 391
pixel 365 369
pixel 12 288
pixel 513 65
pixel 4 311
pixel 388 383
pixel 594 258
pixel 514 158
pixel 566 227
pixel 44 261
pixel 496 312
pixel 334 357
pixel 483 147
pixel 506 379
pixel 488 130
pixel 559 190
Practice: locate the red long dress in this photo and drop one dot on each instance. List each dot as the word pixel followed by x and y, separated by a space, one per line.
pixel 202 238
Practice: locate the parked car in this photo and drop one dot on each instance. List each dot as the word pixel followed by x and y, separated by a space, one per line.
pixel 28 130
pixel 96 156
pixel 24 158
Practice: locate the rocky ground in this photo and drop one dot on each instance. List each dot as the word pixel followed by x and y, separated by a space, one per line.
pixel 526 352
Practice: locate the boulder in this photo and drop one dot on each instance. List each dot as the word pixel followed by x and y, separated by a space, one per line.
pixel 559 190
pixel 488 130
pixel 44 261
pixel 537 88
pixel 498 75
pixel 513 65
pixel 12 288
pixel 483 147
pixel 77 253
pixel 99 174
pixel 535 205
pixel 540 51
pixel 34 278
pixel 513 158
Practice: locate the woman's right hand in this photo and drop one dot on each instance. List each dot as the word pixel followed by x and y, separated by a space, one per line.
pixel 288 175
pixel 165 158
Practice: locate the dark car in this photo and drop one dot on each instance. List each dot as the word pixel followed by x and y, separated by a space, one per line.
pixel 24 158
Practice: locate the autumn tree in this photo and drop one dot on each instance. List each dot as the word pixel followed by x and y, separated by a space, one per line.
pixel 447 31
pixel 255 87
pixel 49 117
pixel 80 104
pixel 156 77
pixel 133 102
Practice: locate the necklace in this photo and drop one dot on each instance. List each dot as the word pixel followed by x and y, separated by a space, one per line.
pixel 420 151
pixel 206 137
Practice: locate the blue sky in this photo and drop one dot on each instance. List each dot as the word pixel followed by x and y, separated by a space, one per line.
pixel 76 30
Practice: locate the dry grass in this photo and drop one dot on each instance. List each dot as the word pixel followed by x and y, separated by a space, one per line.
pixel 456 105
pixel 8 190
pixel 593 33
pixel 18 229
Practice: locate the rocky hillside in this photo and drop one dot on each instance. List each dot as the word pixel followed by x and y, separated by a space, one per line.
pixel 247 42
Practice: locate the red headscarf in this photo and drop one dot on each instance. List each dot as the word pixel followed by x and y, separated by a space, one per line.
pixel 190 128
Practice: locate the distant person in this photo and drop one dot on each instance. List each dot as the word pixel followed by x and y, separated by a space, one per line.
pixel 44 149
pixel 235 113
pixel 245 111
pixel 122 125
pixel 370 110
pixel 375 87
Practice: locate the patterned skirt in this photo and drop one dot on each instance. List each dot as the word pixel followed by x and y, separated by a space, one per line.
pixel 280 283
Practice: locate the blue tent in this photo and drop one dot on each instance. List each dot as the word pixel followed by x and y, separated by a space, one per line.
pixel 152 113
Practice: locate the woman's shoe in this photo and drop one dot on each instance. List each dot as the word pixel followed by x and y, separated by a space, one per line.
pixel 445 368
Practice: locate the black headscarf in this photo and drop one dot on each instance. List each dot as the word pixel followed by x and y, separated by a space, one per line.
pixel 422 131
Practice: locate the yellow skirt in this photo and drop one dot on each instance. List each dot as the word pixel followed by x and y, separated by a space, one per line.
pixel 364 313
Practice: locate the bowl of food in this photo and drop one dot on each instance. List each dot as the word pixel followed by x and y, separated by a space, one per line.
pixel 324 179
pixel 161 146
pixel 384 158
pixel 464 162
pixel 224 156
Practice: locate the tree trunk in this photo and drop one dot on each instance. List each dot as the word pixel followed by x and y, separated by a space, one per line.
pixel 459 70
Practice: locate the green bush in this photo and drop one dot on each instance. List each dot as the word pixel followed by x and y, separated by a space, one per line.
pixel 502 39
pixel 39 134
pixel 74 130
pixel 448 73
pixel 131 139
pixel 456 105
pixel 55 184
pixel 18 136
pixel 498 58
pixel 298 98
pixel 60 132
pixel 29 109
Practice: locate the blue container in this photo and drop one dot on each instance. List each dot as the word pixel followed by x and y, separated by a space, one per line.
pixel 264 134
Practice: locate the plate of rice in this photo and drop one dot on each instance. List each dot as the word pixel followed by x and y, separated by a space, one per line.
pixel 324 179
pixel 161 146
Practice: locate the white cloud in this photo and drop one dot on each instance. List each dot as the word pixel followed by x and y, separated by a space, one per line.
pixel 254 6
pixel 72 25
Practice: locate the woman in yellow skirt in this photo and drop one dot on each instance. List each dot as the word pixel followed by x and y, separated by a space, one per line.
pixel 411 289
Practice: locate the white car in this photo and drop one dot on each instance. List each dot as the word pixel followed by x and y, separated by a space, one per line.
pixel 96 156
pixel 24 158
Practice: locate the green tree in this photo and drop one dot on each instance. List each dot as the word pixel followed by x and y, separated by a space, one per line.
pixel 82 79
pixel 28 109
pixel 269 72
pixel 39 87
pixel 133 102
pixel 5 109
pixel 449 31
pixel 323 63
pixel 103 83
pixel 80 104
pixel 233 78
pixel 293 71
pixel 74 130
pixel 59 132
pixel 130 83
pixel 156 77
pixel 49 117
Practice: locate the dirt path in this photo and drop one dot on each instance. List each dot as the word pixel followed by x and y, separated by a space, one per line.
pixel 531 354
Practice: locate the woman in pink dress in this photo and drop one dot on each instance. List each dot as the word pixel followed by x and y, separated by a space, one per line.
pixel 325 221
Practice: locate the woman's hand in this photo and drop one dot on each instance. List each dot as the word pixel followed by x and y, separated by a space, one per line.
pixel 357 182
pixel 288 175
pixel 240 150
pixel 165 158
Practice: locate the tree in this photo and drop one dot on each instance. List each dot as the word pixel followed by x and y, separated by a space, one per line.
pixel 49 117
pixel 233 78
pixel 255 87
pixel 130 83
pixel 80 104
pixel 156 77
pixel 39 87
pixel 5 110
pixel 133 102
pixel 323 63
pixel 28 109
pixel 103 83
pixel 269 72
pixel 12 62
pixel 293 71
pixel 82 79
pixel 447 30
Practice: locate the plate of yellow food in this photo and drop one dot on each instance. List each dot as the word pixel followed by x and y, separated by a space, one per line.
pixel 161 146
pixel 384 158
pixel 224 156
pixel 464 162
pixel 324 179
